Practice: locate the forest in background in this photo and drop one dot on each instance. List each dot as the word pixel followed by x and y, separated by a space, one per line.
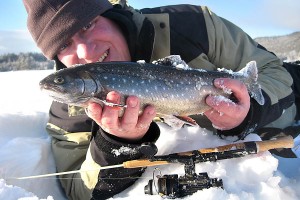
pixel 286 47
pixel 24 61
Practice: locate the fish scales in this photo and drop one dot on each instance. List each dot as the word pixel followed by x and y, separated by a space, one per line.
pixel 173 91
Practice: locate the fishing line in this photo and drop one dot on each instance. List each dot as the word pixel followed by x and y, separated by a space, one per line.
pixel 51 178
pixel 69 172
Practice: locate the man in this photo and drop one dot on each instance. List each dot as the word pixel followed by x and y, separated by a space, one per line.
pixel 78 32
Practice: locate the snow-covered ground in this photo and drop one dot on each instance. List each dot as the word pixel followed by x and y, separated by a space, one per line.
pixel 25 151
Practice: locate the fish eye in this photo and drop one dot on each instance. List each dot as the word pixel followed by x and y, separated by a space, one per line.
pixel 59 80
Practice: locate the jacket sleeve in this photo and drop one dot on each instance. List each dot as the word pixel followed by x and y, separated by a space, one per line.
pixel 230 47
pixel 76 148
pixel 109 150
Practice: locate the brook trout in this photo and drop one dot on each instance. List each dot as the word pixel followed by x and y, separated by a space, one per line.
pixel 169 84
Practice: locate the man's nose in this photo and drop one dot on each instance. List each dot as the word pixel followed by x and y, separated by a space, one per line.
pixel 82 51
pixel 84 48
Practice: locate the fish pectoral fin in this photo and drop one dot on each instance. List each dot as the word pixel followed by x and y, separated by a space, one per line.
pixel 178 121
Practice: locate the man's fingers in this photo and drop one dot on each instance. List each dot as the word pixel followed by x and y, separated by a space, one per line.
pixel 132 125
pixel 238 89
pixel 110 115
pixel 147 117
pixel 220 103
pixel 94 111
pixel 131 113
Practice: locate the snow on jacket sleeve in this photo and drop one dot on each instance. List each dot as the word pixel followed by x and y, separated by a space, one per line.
pixel 74 148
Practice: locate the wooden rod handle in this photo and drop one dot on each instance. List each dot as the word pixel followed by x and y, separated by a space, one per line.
pixel 227 147
pixel 283 142
pixel 142 163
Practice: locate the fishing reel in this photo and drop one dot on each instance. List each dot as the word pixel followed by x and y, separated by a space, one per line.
pixel 174 186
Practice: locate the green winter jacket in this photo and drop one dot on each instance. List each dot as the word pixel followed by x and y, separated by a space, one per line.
pixel 204 41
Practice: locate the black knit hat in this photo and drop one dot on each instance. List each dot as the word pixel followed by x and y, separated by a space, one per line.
pixel 53 22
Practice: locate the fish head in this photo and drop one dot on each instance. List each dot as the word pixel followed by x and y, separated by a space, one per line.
pixel 65 86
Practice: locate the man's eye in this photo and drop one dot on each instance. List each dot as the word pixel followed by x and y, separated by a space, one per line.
pixel 64 46
pixel 89 26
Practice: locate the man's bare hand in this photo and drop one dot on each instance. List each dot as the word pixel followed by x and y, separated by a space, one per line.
pixel 224 113
pixel 132 125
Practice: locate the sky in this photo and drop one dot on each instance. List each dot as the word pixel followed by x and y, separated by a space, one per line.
pixel 25 150
pixel 256 17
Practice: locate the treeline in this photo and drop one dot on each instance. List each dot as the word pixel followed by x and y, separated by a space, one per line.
pixel 24 61
pixel 286 47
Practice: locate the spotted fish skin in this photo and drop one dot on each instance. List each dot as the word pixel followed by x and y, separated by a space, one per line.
pixel 173 90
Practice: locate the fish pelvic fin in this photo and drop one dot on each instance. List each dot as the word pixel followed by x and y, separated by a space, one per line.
pixel 250 73
pixel 177 122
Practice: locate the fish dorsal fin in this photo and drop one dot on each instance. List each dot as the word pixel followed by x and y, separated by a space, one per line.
pixel 172 61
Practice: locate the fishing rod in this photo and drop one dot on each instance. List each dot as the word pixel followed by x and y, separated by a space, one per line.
pixel 213 154
pixel 172 186
pixel 206 154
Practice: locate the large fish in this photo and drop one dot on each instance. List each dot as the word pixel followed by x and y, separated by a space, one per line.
pixel 175 89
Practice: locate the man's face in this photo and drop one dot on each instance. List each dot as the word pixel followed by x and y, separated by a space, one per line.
pixel 100 40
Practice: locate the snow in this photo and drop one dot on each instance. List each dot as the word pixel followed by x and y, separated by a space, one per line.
pixel 25 150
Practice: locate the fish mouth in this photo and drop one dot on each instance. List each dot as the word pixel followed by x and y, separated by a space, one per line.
pixel 59 95
pixel 50 88
pixel 103 56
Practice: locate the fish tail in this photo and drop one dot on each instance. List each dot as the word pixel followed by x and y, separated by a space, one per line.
pixel 250 73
